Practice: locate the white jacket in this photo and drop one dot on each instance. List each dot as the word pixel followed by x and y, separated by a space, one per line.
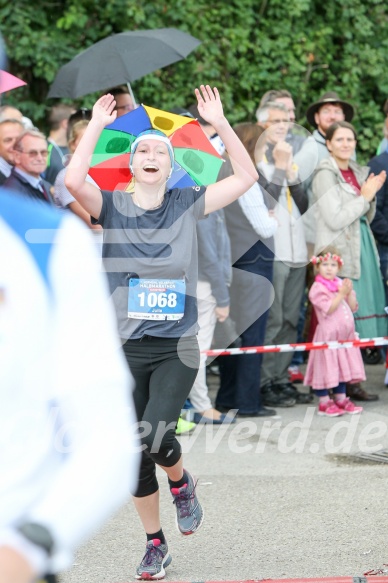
pixel 290 242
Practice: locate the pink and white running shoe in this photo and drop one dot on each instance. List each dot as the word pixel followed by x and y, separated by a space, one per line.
pixel 330 409
pixel 348 407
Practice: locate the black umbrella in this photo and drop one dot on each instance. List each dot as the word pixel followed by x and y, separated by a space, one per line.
pixel 121 58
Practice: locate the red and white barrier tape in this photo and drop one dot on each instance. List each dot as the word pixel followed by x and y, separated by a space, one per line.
pixel 330 345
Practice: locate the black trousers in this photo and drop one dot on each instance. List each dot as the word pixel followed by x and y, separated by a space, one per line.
pixel 164 370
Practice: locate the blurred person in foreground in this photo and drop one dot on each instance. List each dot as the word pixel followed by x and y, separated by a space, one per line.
pixel 67 452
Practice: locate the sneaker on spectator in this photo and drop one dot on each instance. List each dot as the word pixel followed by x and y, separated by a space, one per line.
pixel 348 407
pixel 156 558
pixel 294 374
pixel 184 426
pixel 330 409
pixel 189 512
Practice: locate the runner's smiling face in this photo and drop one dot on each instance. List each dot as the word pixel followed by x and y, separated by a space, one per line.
pixel 151 162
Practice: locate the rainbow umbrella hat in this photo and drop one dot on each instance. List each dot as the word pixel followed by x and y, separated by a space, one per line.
pixel 196 161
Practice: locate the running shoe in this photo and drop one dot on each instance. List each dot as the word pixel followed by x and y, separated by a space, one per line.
pixel 330 409
pixel 156 558
pixel 184 426
pixel 348 407
pixel 189 512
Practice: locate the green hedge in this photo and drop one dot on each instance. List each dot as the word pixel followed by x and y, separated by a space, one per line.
pixel 248 47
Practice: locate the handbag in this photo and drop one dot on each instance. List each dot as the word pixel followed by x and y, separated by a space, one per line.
pixel 225 335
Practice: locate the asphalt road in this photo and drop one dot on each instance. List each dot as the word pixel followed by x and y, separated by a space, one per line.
pixel 283 498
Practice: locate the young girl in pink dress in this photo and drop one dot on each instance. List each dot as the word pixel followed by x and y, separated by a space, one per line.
pixel 334 301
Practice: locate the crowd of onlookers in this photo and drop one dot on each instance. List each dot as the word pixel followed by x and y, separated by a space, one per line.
pixel 254 270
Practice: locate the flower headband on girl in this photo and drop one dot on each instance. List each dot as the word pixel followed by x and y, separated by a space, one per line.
pixel 317 259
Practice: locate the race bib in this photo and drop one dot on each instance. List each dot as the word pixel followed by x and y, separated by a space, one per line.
pixel 156 299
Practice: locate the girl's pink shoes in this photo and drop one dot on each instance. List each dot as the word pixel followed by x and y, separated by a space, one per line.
pixel 337 408
pixel 348 407
pixel 330 409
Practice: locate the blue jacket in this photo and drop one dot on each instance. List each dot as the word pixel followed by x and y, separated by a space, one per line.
pixel 379 225
pixel 17 182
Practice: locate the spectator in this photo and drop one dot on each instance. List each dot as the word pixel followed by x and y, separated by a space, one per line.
pixel 302 147
pixel 329 109
pixel 10 130
pixel 214 277
pixel 124 101
pixel 62 196
pixel 209 130
pixel 57 140
pixel 345 206
pixel 379 224
pixel 320 115
pixel 328 370
pixel 30 158
pixel 283 96
pixel 289 272
pixel 251 230
pixel 383 146
pixel 81 114
pixel 11 112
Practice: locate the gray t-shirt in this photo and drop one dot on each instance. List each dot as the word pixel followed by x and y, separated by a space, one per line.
pixel 154 245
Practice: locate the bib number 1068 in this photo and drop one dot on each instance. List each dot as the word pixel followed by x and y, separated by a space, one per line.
pixel 160 300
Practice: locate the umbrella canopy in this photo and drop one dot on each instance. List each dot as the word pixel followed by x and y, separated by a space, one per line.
pixel 8 82
pixel 121 58
pixel 196 161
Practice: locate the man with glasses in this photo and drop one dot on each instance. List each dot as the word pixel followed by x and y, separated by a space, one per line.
pixel 278 167
pixel 30 158
pixel 295 135
pixel 124 101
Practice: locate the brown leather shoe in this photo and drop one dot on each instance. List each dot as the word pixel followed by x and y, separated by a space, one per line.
pixel 356 392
